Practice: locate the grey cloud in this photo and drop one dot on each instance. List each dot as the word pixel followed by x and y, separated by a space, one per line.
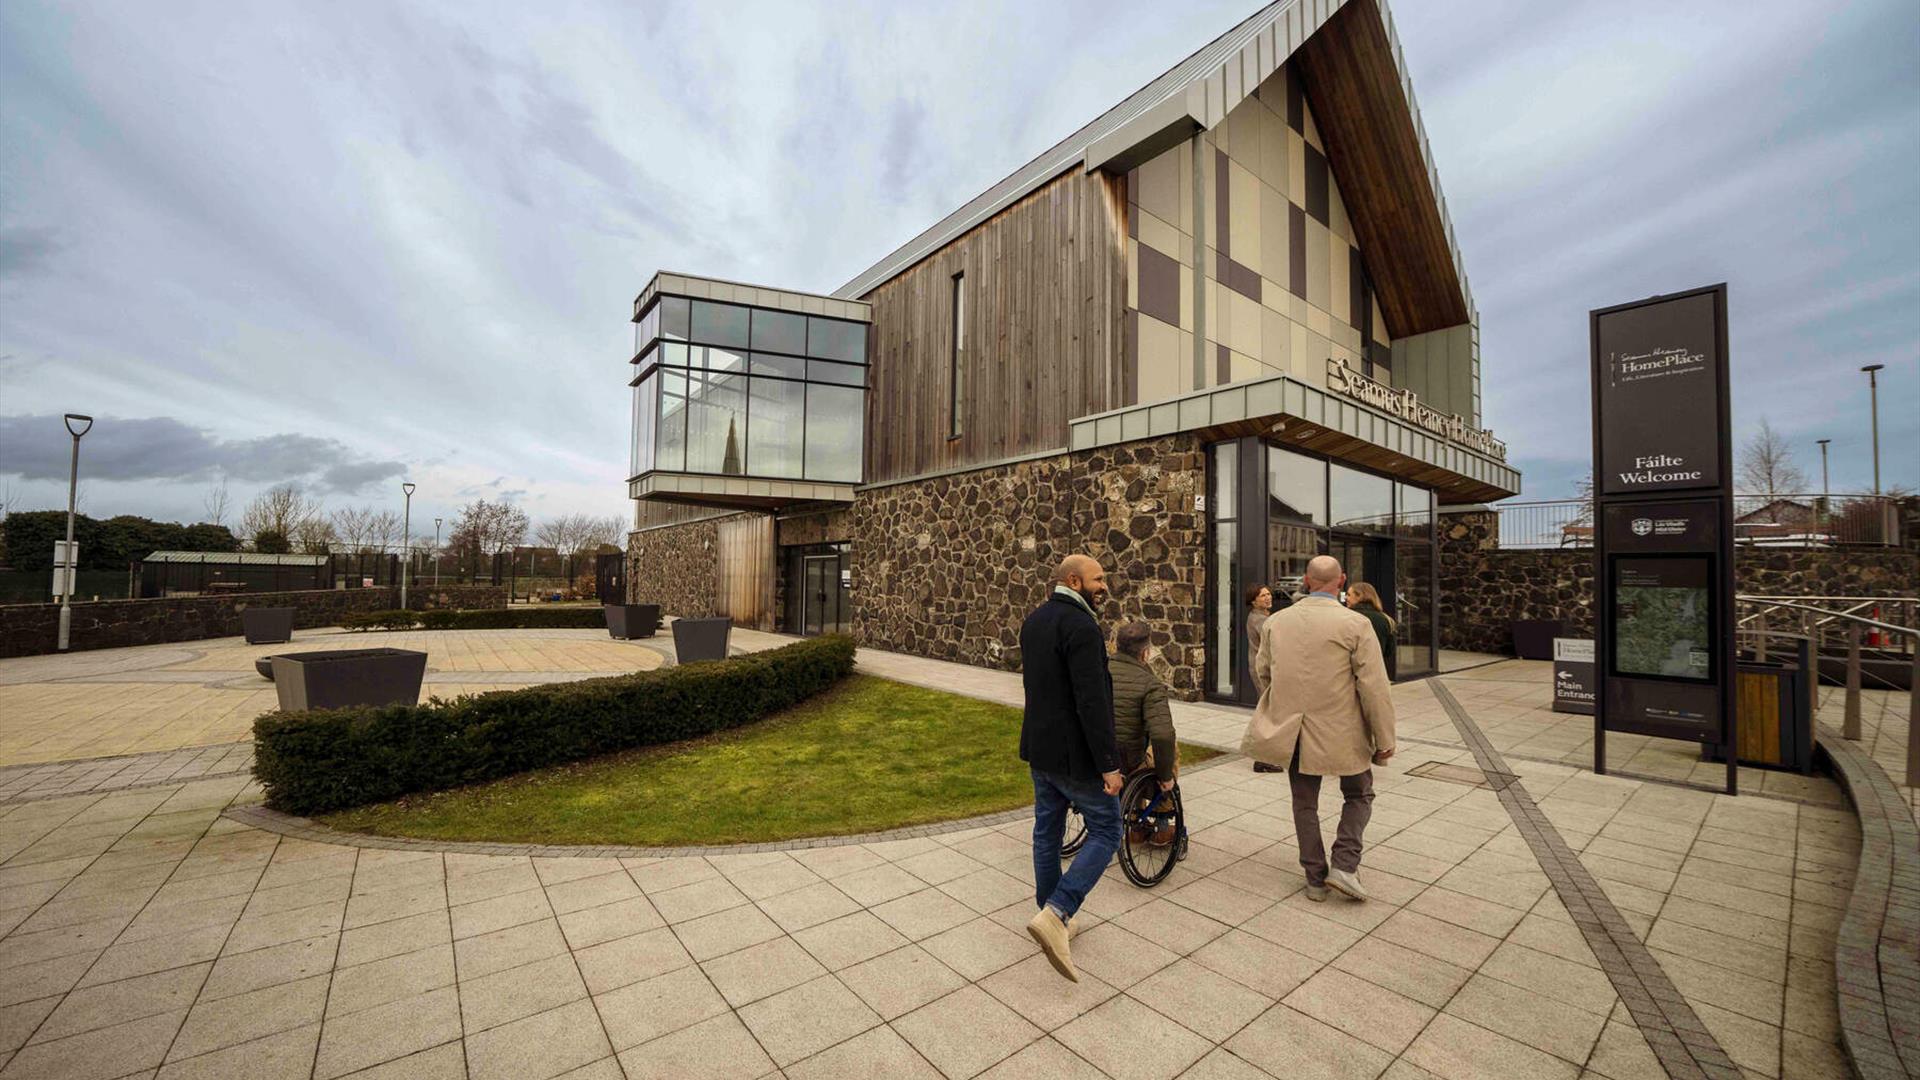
pixel 162 448
pixel 26 249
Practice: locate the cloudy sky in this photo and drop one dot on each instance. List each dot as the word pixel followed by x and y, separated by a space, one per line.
pixel 343 243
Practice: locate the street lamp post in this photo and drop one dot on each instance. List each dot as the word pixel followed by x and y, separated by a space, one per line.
pixel 436 553
pixel 1826 496
pixel 1873 389
pixel 406 540
pixel 77 425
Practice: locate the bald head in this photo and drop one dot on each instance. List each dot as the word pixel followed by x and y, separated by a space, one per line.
pixel 1323 574
pixel 1084 575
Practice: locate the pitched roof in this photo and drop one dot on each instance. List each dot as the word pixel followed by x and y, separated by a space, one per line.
pixel 1197 92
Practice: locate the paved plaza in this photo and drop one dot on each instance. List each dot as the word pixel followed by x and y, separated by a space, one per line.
pixel 1530 919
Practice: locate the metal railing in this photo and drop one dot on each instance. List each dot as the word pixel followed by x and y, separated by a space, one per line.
pixel 1778 520
pixel 1821 623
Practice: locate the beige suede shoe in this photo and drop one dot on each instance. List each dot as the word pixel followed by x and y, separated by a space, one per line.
pixel 1051 934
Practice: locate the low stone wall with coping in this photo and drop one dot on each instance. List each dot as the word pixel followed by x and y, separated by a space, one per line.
pixel 33 629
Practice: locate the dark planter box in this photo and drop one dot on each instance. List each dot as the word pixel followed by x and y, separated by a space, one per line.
pixel 628 621
pixel 701 639
pixel 264 666
pixel 1533 638
pixel 267 625
pixel 333 680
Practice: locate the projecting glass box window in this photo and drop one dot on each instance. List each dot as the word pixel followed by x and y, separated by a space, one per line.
pixel 731 390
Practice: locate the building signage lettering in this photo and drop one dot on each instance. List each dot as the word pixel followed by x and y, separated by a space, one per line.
pixel 1343 379
pixel 1659 391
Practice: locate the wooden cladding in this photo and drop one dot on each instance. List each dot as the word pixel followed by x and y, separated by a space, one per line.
pixel 743 569
pixel 1045 298
pixel 1353 88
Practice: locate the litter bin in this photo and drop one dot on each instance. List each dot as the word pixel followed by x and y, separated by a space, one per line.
pixel 1773 717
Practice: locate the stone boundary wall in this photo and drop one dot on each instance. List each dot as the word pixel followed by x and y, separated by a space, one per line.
pixel 423 597
pixel 675 566
pixel 33 629
pixel 1483 588
pixel 948 568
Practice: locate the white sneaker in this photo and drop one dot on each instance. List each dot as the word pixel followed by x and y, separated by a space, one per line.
pixel 1346 883
pixel 1046 929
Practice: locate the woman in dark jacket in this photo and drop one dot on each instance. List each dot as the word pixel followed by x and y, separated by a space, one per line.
pixel 1365 599
pixel 1259 606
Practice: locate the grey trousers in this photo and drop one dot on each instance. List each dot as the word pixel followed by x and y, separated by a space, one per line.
pixel 1356 808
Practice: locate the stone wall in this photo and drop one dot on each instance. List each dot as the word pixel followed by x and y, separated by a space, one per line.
pixel 429 597
pixel 948 568
pixel 1483 589
pixel 32 629
pixel 674 566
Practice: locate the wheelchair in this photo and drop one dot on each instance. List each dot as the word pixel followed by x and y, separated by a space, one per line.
pixel 1153 829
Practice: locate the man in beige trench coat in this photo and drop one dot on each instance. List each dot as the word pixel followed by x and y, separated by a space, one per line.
pixel 1325 710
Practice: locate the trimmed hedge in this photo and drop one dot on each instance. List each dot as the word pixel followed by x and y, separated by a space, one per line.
pixel 482 619
pixel 330 759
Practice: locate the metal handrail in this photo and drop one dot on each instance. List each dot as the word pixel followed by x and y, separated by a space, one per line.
pixel 1850 728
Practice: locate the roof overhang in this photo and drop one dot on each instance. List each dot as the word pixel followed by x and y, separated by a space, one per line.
pixel 738 492
pixel 1355 81
pixel 1292 413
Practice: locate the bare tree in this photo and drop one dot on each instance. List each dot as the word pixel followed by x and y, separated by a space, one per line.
pixel 314 536
pixel 280 509
pixel 1767 467
pixel 560 533
pixel 353 525
pixel 599 532
pixel 215 503
pixel 383 529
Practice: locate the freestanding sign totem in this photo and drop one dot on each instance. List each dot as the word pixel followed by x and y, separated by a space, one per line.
pixel 1662 458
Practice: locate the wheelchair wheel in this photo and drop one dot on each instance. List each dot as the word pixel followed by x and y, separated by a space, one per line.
pixel 1075 835
pixel 1153 830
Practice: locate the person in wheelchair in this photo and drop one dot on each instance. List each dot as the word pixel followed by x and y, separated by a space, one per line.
pixel 1143 723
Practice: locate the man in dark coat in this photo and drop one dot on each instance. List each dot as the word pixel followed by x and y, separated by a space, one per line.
pixel 1066 739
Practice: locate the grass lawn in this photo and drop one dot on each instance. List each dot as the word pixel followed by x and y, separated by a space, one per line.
pixel 869 754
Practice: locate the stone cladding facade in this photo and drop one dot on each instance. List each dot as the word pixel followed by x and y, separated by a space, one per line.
pixel 674 566
pixel 949 567
pixel 1483 589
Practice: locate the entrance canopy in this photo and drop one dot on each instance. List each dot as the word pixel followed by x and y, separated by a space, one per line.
pixel 1292 413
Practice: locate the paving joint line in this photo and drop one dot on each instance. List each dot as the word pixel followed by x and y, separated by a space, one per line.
pixel 1673 1031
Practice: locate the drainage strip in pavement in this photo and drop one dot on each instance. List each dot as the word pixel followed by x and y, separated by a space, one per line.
pixel 1672 1029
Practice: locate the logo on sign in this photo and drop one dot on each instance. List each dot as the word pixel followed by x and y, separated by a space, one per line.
pixel 1642 526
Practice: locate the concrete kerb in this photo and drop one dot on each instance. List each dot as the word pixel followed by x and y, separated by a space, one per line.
pixel 1876 955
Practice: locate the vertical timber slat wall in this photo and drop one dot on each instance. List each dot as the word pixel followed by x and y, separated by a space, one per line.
pixel 745 570
pixel 1046 297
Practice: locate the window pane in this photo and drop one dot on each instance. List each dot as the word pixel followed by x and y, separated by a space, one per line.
pixel 673 317
pixel 841 374
pixel 1413 603
pixel 713 359
pixel 719 324
pixel 1415 512
pixel 775 417
pixel 1226 480
pixel 1229 641
pixel 1296 487
pixel 779 331
pixel 643 421
pixel 834 425
pixel 1361 501
pixel 1288 549
pixel 836 339
pixel 791 367
pixel 646 329
pixel 716 423
pixel 672 354
pixel 672 443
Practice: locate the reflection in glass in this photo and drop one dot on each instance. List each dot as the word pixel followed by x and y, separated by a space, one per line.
pixel 790 367
pixel 716 423
pixel 1413 603
pixel 834 339
pixel 841 374
pixel 776 416
pixel 834 425
pixel 779 331
pixel 1288 549
pixel 719 324
pixel 673 317
pixel 1296 487
pixel 1230 642
pixel 1226 480
pixel 672 442
pixel 1416 513
pixel 644 403
pixel 1361 501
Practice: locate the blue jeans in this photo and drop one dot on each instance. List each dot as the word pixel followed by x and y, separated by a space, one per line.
pixel 1052 794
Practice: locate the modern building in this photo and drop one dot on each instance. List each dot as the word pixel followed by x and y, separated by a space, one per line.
pixel 1221 328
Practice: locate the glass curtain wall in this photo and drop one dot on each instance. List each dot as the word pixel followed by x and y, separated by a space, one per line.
pixel 1312 506
pixel 732 390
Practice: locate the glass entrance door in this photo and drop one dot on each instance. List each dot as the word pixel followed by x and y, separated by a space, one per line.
pixel 822 599
pixel 1370 559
